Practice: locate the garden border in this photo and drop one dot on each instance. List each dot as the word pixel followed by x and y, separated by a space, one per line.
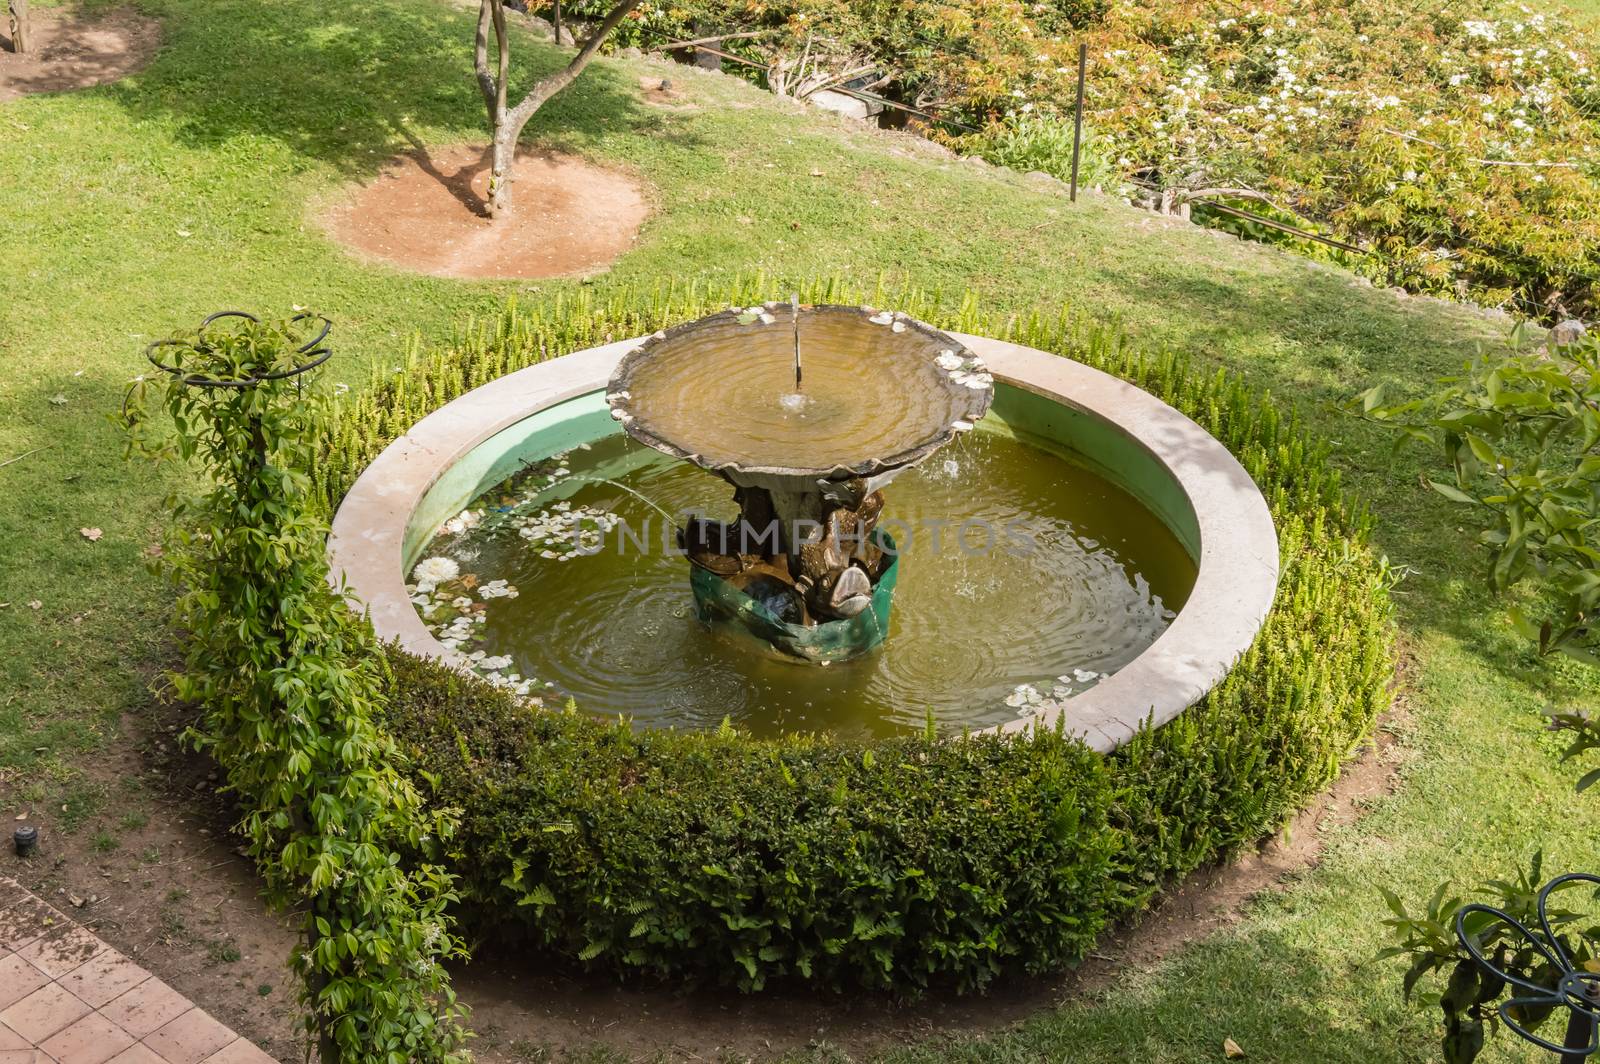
pixel 1238 563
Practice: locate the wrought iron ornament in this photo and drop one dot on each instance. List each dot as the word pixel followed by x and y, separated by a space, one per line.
pixel 1576 990
pixel 314 352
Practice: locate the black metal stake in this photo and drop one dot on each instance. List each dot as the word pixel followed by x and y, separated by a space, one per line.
pixel 1580 1031
pixel 1077 122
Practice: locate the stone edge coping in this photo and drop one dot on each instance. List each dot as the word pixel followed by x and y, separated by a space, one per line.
pixel 1237 571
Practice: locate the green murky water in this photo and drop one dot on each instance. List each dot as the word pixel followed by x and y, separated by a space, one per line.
pixel 1023 578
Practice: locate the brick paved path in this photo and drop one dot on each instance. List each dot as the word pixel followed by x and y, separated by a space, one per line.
pixel 68 998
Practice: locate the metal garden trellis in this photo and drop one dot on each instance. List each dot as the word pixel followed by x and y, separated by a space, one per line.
pixel 1578 990
pixel 315 353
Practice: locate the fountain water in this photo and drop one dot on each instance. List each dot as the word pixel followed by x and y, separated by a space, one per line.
pixel 804 567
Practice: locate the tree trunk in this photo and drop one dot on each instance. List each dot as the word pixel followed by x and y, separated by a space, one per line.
pixel 508 124
pixel 503 155
pixel 21 31
pixel 555 20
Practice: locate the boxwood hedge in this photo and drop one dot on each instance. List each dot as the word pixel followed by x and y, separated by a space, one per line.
pixel 898 863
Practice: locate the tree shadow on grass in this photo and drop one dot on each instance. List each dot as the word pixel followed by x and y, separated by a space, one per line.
pixel 1281 1001
pixel 347 85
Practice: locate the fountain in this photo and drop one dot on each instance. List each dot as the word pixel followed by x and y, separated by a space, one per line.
pixel 1135 561
pixel 804 566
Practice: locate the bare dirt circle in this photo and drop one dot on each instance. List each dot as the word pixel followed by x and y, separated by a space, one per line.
pixel 73 50
pixel 426 212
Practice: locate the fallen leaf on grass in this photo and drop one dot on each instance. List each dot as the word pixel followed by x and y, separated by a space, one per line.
pixel 1231 1049
pixel 91 534
pixel 58 400
pixel 35 604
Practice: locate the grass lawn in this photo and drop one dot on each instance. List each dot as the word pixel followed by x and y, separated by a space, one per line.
pixel 133 209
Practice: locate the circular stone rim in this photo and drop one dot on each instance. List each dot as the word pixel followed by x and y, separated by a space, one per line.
pixel 1236 573
pixel 618 397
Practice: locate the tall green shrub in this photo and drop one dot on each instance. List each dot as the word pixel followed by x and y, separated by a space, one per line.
pixel 290 685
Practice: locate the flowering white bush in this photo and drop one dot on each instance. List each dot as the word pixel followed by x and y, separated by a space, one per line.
pixel 1455 140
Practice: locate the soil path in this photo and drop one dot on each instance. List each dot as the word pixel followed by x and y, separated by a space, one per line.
pixel 73 51
pixel 425 212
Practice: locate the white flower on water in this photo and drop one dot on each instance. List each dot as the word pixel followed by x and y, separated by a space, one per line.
pixel 497 589
pixel 463 521
pixel 977 381
pixel 431 572
pixel 882 318
pixel 948 360
pixel 496 663
pixel 1025 694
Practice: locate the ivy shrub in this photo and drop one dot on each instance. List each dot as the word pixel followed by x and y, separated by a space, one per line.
pixel 290 684
pixel 897 863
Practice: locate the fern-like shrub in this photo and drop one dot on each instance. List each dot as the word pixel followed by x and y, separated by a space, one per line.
pixel 899 863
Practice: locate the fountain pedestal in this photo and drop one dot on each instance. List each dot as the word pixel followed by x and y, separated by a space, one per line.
pixel 756 607
pixel 805 568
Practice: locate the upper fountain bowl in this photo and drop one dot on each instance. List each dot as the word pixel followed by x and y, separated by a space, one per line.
pixel 880 392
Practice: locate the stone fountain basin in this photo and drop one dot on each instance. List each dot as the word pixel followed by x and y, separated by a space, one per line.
pixel 1183 476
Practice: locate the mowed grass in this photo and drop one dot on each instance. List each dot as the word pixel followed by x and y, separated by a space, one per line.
pixel 134 209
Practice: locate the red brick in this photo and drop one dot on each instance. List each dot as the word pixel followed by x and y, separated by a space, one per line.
pixel 10 1039
pixel 242 1051
pixel 146 1008
pixel 43 1013
pixel 92 1040
pixel 27 921
pixel 18 979
pixel 62 949
pixel 190 1038
pixel 137 1054
pixel 105 976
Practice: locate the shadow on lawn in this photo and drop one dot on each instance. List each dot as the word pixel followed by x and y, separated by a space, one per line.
pixel 348 84
pixel 1269 1003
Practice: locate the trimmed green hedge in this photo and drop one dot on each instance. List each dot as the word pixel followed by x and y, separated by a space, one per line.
pixel 901 863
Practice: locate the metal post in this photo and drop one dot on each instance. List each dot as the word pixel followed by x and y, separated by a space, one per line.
pixel 1580 1029
pixel 794 304
pixel 1077 121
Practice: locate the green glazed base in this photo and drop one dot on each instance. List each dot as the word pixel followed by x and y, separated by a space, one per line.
pixel 720 604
